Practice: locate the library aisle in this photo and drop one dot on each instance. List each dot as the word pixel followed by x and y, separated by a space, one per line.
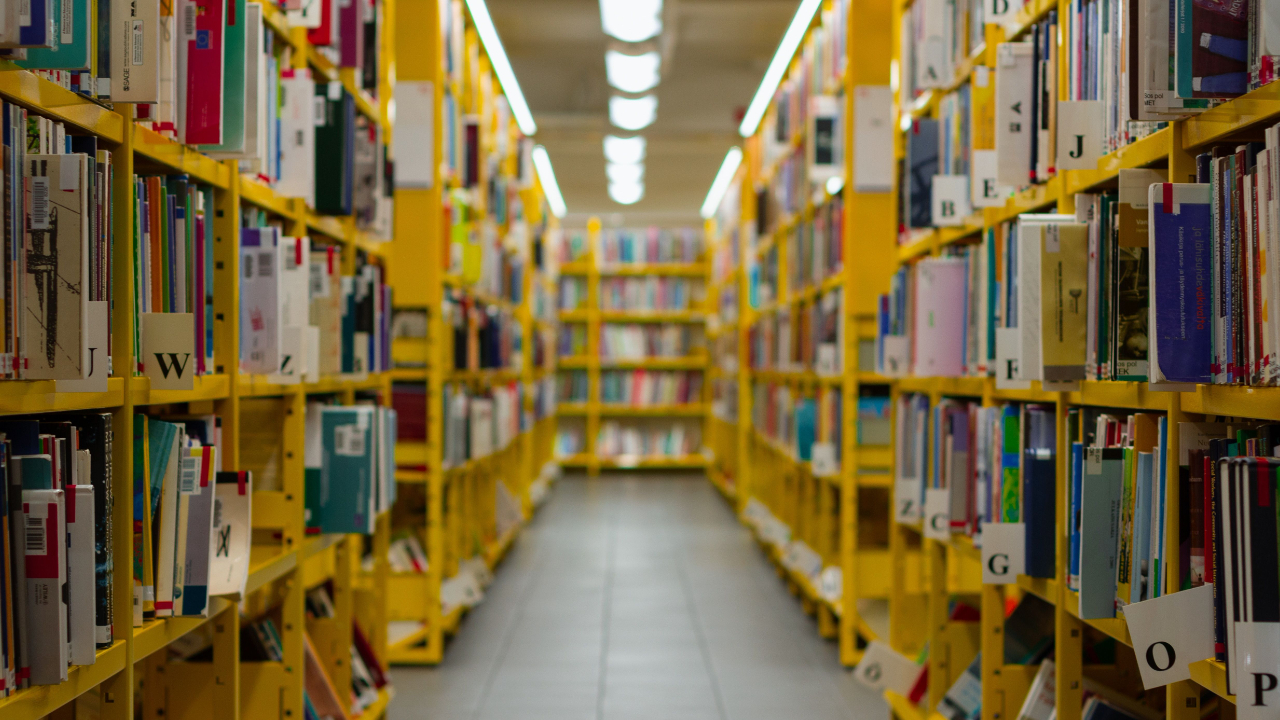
pixel 636 596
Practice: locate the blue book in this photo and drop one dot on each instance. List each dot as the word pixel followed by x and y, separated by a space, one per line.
pixel 1039 494
pixel 1100 494
pixel 1140 565
pixel 71 51
pixel 1181 232
pixel 39 34
pixel 806 428
pixel 1077 473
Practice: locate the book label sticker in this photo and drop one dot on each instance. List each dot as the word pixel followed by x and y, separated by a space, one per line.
pixel 824 459
pixel 986 190
pixel 883 668
pixel 1080 134
pixel 906 501
pixel 825 160
pixel 937 513
pixel 1257 670
pixel 168 350
pixel 1003 552
pixel 96 351
pixel 873 162
pixel 1171 632
pixel 950 200
pixel 897 355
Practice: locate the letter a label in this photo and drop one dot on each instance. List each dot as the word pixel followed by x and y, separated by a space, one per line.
pixel 1171 632
pixel 168 350
pixel 1003 552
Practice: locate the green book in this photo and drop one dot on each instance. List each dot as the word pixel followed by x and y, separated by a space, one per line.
pixel 233 81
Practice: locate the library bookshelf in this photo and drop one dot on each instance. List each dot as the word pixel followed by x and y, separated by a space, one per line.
pixel 951 570
pixel 590 270
pixel 838 512
pixel 262 425
pixel 451 503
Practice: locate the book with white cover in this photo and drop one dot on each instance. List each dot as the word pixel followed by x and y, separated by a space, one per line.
pixel 44 557
pixel 260 291
pixel 232 533
pixel 55 324
pixel 81 571
pixel 297 135
pixel 135 51
pixel 1015 67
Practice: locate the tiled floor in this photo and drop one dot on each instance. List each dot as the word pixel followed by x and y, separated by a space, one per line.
pixel 635 597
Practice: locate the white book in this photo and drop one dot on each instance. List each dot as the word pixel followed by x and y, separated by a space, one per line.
pixel 1015 125
pixel 232 533
pixel 294 308
pixel 297 135
pixel 1039 703
pixel 260 291
pixel 135 51
pixel 81 571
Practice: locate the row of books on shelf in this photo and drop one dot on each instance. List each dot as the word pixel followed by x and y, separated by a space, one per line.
pixel 638 341
pixel 490 251
pixel 652 245
pixel 1064 298
pixel 724 399
pixel 480 423
pixel 300 317
pixel 644 388
pixel 485 336
pixel 625 440
pixel 651 293
pixel 809 337
pixel 572 246
pixel 726 254
pixel 807 427
pixel 815 246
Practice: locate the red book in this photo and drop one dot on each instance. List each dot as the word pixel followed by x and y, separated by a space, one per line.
pixel 202 46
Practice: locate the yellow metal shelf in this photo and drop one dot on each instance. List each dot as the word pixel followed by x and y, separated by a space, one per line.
pixel 38 701
pixel 33 92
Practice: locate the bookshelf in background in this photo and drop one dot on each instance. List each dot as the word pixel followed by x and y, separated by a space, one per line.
pixel 474 339
pixel 632 345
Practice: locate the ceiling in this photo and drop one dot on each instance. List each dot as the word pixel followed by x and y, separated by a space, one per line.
pixel 714 55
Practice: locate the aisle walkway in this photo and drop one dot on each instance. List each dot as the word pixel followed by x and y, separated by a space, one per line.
pixel 635 598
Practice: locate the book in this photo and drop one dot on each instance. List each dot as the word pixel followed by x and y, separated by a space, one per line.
pixel 1180 225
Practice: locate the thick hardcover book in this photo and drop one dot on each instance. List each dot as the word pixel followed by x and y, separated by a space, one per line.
pixel 334 148
pixel 260 300
pixel 1180 226
pixel 1212 48
pixel 55 290
pixel 72 49
pixel 1064 281
pixel 297 133
pixel 201 26
pixel 135 51
pixel 347 473
pixel 44 556
pixel 236 104
pixel 922 163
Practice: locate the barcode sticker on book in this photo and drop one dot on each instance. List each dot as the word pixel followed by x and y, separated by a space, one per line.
pixel 189 20
pixel 39 203
pixel 36 544
pixel 188 483
pixel 265 265
pixel 320 111
pixel 348 440
pixel 319 280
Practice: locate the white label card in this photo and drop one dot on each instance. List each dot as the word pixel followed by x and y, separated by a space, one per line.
pixel 1008 346
pixel 1003 552
pixel 897 355
pixel 168 350
pixel 985 190
pixel 937 513
pixel 1257 666
pixel 906 501
pixel 1171 632
pixel 414 139
pixel 950 200
pixel 883 668
pixel 1079 134
pixel 824 459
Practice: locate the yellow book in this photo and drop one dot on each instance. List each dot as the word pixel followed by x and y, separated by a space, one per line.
pixel 1064 284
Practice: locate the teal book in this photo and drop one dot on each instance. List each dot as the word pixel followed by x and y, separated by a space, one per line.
pixel 233 81
pixel 347 473
pixel 71 48
pixel 34 472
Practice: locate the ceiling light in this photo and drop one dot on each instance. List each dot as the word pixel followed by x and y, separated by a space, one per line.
pixel 626 193
pixel 502 66
pixel 547 176
pixel 721 184
pixel 625 172
pixel 632 73
pixel 631 20
pixel 623 150
pixel 834 185
pixel 778 67
pixel 630 114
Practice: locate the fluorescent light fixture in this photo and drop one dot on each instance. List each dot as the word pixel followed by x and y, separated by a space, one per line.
pixel 502 66
pixel 626 193
pixel 632 73
pixel 631 20
pixel 835 185
pixel 720 185
pixel 778 67
pixel 632 173
pixel 542 163
pixel 624 150
pixel 630 114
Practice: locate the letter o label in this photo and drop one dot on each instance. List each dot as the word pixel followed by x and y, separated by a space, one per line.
pixel 1170 656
